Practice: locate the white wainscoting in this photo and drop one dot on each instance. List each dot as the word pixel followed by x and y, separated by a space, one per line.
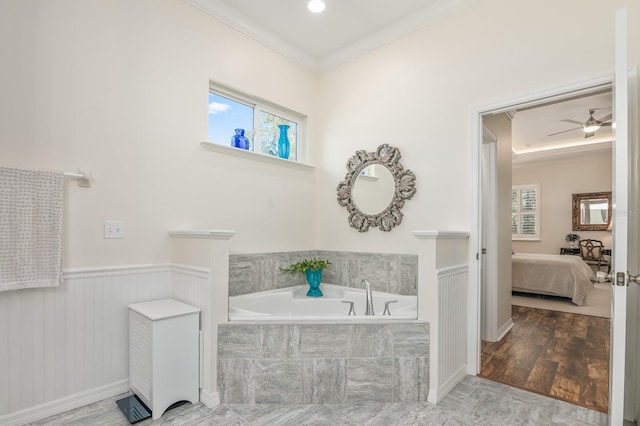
pixel 64 347
pixel 452 302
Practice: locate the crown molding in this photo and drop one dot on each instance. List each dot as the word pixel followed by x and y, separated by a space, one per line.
pixel 229 16
pixel 394 31
pixel 249 27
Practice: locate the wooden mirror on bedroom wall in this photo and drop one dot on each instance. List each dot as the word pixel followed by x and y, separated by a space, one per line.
pixel 591 211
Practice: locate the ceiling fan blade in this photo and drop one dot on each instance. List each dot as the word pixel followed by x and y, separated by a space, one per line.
pixel 606 117
pixel 565 131
pixel 573 122
pixel 588 135
pixel 605 124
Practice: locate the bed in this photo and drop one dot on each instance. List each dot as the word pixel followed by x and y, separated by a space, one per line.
pixel 550 274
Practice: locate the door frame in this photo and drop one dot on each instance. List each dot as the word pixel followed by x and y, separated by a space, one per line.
pixel 474 299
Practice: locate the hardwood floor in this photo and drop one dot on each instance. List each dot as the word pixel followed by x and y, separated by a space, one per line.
pixel 558 354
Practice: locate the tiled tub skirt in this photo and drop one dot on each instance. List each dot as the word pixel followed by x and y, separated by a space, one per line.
pixel 306 362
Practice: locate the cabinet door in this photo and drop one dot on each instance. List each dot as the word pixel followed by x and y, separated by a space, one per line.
pixel 140 356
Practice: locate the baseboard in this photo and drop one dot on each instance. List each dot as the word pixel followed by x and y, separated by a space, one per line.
pixel 210 399
pixel 71 402
pixel 506 327
pixel 450 383
pixel 432 396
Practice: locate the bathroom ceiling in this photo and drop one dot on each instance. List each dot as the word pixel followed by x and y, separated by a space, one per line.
pixel 349 28
pixel 346 28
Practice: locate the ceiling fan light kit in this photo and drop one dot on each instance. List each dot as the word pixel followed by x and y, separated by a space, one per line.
pixel 590 126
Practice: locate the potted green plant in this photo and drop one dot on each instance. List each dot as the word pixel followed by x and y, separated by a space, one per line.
pixel 572 239
pixel 312 269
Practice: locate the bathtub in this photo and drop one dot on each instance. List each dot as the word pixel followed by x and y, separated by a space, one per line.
pixel 292 303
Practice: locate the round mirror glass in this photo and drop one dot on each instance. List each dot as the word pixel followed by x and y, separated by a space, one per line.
pixel 373 189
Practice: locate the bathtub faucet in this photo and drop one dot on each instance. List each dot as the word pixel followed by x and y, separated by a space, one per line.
pixel 369 308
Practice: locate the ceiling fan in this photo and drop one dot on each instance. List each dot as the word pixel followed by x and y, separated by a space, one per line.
pixel 589 127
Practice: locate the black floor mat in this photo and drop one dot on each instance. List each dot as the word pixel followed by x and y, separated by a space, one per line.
pixel 133 409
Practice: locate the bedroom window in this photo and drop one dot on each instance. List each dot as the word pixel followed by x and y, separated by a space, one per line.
pixel 252 124
pixel 525 207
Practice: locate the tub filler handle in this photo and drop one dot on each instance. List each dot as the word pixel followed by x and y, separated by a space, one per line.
pixel 386 307
pixel 352 311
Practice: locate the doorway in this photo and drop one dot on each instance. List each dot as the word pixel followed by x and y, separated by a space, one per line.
pixel 496 293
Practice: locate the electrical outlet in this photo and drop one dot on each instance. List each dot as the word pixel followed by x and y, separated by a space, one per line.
pixel 113 229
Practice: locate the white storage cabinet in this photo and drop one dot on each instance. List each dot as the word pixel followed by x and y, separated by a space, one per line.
pixel 164 353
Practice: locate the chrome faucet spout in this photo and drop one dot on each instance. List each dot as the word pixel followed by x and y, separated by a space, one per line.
pixel 369 307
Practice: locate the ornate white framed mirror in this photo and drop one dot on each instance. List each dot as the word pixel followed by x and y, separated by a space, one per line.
pixel 375 188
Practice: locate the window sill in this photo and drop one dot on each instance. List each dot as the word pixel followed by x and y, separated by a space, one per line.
pixel 255 156
pixel 526 239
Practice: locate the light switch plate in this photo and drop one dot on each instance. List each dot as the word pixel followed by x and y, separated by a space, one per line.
pixel 113 229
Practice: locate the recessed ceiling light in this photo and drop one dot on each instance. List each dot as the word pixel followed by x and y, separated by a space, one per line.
pixel 316 6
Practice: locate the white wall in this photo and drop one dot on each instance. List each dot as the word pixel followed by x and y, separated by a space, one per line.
pixel 120 88
pixel 417 93
pixel 558 180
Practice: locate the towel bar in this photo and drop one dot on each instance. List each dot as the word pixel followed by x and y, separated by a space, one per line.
pixel 84 179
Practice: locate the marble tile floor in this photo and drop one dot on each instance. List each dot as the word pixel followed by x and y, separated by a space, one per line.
pixel 474 401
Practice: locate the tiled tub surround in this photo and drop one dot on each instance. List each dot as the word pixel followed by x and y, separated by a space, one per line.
pixel 323 362
pixel 389 273
pixel 290 303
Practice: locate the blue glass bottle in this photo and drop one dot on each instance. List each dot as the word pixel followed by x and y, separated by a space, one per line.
pixel 239 140
pixel 283 141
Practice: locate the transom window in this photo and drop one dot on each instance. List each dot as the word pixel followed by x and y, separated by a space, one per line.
pixel 525 207
pixel 252 124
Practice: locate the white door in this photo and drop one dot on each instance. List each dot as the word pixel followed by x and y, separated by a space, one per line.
pixel 624 247
pixel 489 253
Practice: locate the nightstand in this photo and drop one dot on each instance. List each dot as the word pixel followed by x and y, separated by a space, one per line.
pixel 570 250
